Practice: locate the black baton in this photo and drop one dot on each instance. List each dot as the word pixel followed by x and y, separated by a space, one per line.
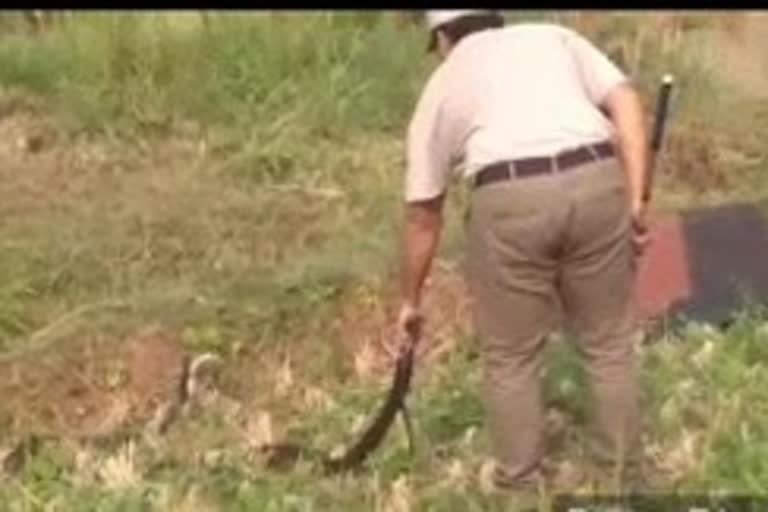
pixel 659 121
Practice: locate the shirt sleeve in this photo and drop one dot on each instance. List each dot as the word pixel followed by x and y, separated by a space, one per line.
pixel 599 73
pixel 428 151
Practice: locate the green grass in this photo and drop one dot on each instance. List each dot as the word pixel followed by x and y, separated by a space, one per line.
pixel 239 184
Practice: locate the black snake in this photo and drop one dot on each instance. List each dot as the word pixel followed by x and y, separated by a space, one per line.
pixel 282 456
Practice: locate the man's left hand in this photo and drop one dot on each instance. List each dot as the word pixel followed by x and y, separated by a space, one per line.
pixel 640 232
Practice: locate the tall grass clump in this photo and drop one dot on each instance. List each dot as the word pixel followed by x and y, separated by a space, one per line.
pixel 265 86
pixel 704 401
pixel 272 85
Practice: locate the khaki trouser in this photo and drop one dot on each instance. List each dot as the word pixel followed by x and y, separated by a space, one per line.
pixel 539 247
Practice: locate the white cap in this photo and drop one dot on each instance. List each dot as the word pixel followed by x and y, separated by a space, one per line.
pixel 438 17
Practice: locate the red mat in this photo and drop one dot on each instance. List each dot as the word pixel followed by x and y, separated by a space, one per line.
pixel 663 278
pixel 705 264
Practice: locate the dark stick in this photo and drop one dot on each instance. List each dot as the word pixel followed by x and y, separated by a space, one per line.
pixel 657 134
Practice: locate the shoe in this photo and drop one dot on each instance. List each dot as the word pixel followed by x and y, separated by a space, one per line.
pixel 520 496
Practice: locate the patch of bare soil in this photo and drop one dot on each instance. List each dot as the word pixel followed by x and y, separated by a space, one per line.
pixel 94 388
pixel 156 370
pixel 65 392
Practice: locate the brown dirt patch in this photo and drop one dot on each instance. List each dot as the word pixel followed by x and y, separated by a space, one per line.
pixel 94 387
pixel 64 392
pixel 155 369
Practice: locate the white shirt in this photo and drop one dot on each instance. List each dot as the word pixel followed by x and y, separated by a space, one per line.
pixel 518 91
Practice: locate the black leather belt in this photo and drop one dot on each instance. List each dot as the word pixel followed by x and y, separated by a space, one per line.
pixel 535 166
